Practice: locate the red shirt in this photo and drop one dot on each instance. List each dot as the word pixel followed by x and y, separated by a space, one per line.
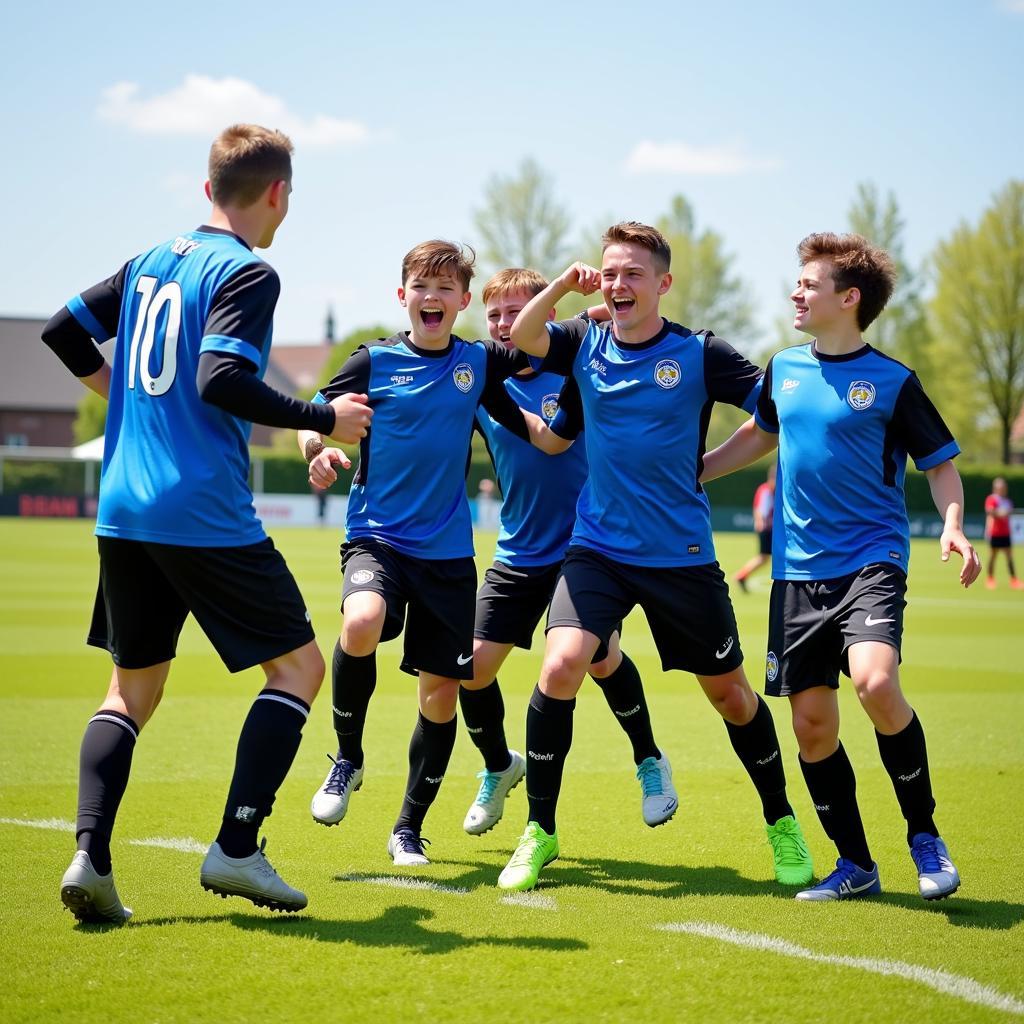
pixel 1000 524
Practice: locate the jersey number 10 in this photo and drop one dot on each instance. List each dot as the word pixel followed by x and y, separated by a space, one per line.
pixel 150 308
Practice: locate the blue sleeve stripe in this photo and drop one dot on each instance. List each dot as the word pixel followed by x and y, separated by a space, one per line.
pixel 949 451
pixel 761 423
pixel 81 312
pixel 750 402
pixel 222 343
pixel 319 399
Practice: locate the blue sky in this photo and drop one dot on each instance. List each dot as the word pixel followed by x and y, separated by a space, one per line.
pixel 765 116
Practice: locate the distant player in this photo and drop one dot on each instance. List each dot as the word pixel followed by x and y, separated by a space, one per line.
pixel 176 525
pixel 408 557
pixel 845 417
pixel 764 510
pixel 643 528
pixel 537 516
pixel 998 521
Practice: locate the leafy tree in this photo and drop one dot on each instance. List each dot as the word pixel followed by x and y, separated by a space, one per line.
pixel 979 312
pixel 521 223
pixel 91 419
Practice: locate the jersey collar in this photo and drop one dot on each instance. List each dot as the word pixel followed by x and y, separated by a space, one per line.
pixel 824 357
pixel 206 229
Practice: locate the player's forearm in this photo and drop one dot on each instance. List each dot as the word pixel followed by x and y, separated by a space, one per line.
pixel 947 493
pixel 306 437
pixel 529 332
pixel 99 382
pixel 748 444
pixel 543 437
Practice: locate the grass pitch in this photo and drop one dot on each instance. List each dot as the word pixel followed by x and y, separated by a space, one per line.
pixel 681 922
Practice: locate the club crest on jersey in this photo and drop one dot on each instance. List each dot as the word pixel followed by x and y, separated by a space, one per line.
pixel 463 376
pixel 549 406
pixel 861 395
pixel 667 374
pixel 772 667
pixel 361 576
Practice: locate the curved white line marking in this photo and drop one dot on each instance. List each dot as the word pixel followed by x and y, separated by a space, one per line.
pixel 955 985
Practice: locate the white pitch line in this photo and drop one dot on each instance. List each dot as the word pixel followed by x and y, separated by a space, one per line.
pixel 533 900
pixel 955 985
pixel 186 845
pixel 401 882
pixel 56 824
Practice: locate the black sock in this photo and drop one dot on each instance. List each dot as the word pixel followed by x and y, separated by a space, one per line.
pixel 266 748
pixel 833 789
pixel 757 746
pixel 353 681
pixel 429 752
pixel 906 760
pixel 483 711
pixel 104 763
pixel 624 693
pixel 548 739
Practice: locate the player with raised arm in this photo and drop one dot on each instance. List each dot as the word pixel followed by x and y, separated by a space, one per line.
pixel 643 532
pixel 176 525
pixel 845 417
pixel 537 516
pixel 408 557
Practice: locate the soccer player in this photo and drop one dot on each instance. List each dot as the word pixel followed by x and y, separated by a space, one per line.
pixel 176 525
pixel 764 506
pixel 537 517
pixel 998 510
pixel 408 559
pixel 845 417
pixel 643 531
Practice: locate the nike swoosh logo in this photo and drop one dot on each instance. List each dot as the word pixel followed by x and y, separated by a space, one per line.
pixel 725 650
pixel 874 622
pixel 464 661
pixel 858 888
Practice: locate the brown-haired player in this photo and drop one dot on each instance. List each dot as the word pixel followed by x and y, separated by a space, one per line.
pixel 643 532
pixel 845 417
pixel 537 515
pixel 408 557
pixel 176 525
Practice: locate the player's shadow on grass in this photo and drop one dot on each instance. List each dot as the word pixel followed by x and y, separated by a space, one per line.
pixel 961 912
pixel 400 927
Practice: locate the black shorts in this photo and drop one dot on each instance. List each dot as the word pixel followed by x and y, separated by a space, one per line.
pixel 244 599
pixel 998 543
pixel 813 623
pixel 687 608
pixel 512 600
pixel 764 542
pixel 439 595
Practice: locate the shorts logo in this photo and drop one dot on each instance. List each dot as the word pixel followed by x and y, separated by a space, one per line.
pixel 667 374
pixel 861 395
pixel 868 621
pixel 464 660
pixel 772 667
pixel 548 407
pixel 463 377
pixel 361 576
pixel 726 648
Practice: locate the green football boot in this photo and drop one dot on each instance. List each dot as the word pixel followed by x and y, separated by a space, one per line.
pixel 792 858
pixel 535 851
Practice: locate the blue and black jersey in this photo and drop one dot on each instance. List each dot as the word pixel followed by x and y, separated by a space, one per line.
pixel 539 491
pixel 647 407
pixel 409 489
pixel 193 319
pixel 846 425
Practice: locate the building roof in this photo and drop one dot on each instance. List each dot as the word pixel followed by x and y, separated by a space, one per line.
pixel 302 364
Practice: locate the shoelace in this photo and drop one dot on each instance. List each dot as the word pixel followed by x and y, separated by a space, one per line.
pixel 409 842
pixel 263 865
pixel 926 856
pixel 525 851
pixel 787 846
pixel 488 786
pixel 844 872
pixel 340 777
pixel 649 774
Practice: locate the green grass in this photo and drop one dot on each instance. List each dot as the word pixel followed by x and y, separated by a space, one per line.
pixel 589 947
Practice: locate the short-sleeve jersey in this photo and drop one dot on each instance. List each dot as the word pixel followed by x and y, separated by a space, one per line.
pixel 539 491
pixel 176 468
pixel 764 501
pixel 846 425
pixel 647 407
pixel 1000 524
pixel 409 489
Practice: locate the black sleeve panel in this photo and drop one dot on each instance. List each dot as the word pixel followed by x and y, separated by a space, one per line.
pixel 227 381
pixel 72 344
pixel 104 301
pixel 728 376
pixel 767 413
pixel 501 364
pixel 243 308
pixel 353 378
pixel 568 421
pixel 565 338
pixel 916 424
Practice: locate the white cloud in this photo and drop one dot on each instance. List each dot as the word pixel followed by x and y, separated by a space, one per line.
pixel 203 106
pixel 683 158
pixel 1013 6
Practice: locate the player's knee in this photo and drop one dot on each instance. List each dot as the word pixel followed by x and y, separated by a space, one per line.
pixel 440 700
pixel 360 634
pixel 816 735
pixel 735 702
pixel 879 692
pixel 562 674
